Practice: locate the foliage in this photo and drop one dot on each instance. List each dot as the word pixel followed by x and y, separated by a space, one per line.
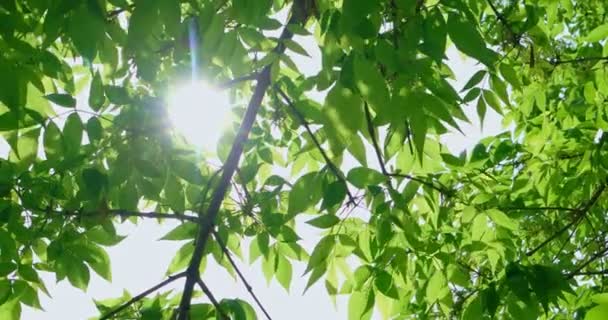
pixel 515 228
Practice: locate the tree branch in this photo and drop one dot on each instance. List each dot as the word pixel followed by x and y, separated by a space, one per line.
pixel 207 220
pixel 557 61
pixel 127 213
pixel 503 20
pixel 209 295
pixel 599 254
pixel 142 295
pixel 580 213
pixel 588 273
pixel 230 83
pixel 537 209
pixel 378 151
pixel 330 164
pixel 240 274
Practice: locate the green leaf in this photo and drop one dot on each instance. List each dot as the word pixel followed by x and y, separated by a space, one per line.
pixel 491 299
pixel 475 80
pixel 96 96
pixel 474 310
pixel 72 135
pixel 371 84
pixel 86 29
pixel 334 194
pixel 78 273
pixel 94 129
pixel 117 95
pixel 62 99
pixel 601 298
pixel 95 183
pixel 184 231
pixel 492 101
pixel 144 17
pixel 300 196
pixel 283 271
pixel 343 114
pixel 295 47
pixel 96 257
pixel 52 141
pixel 598 33
pixel 11 310
pixel 597 313
pixel 436 287
pixel 362 177
pixel 434 34
pixel 481 110
pixel 517 281
pixel 467 39
pixel 385 284
pixel 325 221
pixel 501 219
pixel 321 252
pixel 361 305
pixel 182 258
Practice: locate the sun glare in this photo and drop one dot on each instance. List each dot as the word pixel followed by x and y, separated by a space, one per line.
pixel 200 113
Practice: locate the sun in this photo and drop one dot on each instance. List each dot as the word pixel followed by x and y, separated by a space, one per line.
pixel 199 112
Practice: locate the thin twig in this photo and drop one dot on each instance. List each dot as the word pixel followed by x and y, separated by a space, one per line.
pixel 207 220
pixel 537 209
pixel 142 295
pixel 599 254
pixel 378 151
pixel 372 134
pixel 589 273
pixel 579 215
pixel 557 61
pixel 240 274
pixel 230 83
pixel 209 295
pixel 114 13
pixel 330 164
pixel 504 21
pixel 127 213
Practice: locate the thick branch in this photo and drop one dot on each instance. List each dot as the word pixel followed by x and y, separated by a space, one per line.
pixel 142 295
pixel 580 213
pixel 330 164
pixel 207 220
pixel 240 274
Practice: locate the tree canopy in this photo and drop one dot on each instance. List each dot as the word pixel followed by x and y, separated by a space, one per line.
pixel 515 228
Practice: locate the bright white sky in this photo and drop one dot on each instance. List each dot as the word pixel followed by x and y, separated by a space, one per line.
pixel 140 261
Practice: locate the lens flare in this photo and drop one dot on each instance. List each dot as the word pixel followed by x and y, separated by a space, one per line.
pixel 200 113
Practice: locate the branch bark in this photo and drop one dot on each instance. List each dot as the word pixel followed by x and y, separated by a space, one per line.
pixel 580 214
pixel 330 164
pixel 207 220
pixel 240 274
pixel 209 295
pixel 142 295
pixel 378 151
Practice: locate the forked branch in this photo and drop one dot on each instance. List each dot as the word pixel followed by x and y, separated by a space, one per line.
pixel 207 220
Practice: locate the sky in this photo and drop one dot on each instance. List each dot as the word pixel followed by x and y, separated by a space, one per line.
pixel 140 261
